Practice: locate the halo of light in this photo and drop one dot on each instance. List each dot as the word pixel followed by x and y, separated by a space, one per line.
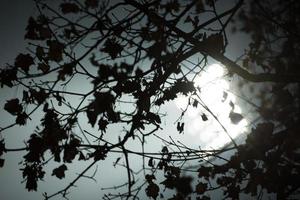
pixel 210 133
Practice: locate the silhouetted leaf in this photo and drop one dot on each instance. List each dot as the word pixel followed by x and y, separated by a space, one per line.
pixel 37 29
pixel 81 156
pixel 149 178
pixel 204 117
pixel 56 152
pixel 13 106
pixel 69 153
pixel 184 87
pixel 195 103
pixel 204 171
pixel 60 171
pixel 199 6
pixel 171 6
pixel 2 147
pixel 180 127
pixel 153 118
pixel 36 148
pixel 152 190
pixel 44 67
pixel 32 29
pixel 165 150
pixel 1 162
pixel 225 95
pixel 233 191
pixel 38 96
pixel 118 30
pixel 71 149
pixel 260 137
pixel 214 43
pixel 169 182
pixel 251 188
pixel 92 117
pixel 180 86
pixel 24 61
pixel 59 98
pixel 102 123
pixel 183 185
pixel 69 8
pixel 209 3
pixel 66 70
pixel 201 188
pixel 249 164
pixel 99 153
pixel 235 117
pixel 32 173
pixel 104 71
pixel 91 3
pixel 127 87
pixel 172 170
pixel 103 103
pixel 143 103
pixel 55 52
pixel 112 48
pixel 150 162
pixel 39 52
pixel 188 19
pixel 21 118
pixel 231 105
pixel 7 76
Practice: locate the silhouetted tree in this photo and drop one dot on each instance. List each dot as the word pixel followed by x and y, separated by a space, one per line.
pixel 131 54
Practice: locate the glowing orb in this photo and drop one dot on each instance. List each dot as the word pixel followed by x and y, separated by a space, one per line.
pixel 214 92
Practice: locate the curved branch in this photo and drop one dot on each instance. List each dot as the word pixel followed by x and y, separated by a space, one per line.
pixel 204 48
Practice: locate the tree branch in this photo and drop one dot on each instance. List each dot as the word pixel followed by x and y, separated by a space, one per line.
pixel 204 48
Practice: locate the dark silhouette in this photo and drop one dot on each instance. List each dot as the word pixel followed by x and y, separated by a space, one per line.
pixel 131 51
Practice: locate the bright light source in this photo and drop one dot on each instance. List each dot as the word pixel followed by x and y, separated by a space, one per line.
pixel 214 93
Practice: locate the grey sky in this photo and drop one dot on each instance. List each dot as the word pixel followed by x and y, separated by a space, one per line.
pixel 13 20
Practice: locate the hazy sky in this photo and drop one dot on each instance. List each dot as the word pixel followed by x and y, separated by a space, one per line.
pixel 13 20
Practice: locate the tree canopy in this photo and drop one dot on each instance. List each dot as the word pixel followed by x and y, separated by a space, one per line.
pixel 117 63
